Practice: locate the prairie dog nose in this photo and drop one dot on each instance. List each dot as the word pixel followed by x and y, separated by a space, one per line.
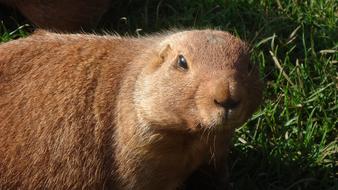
pixel 228 103
pixel 223 97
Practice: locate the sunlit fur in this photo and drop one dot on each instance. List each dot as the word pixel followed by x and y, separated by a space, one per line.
pixel 105 112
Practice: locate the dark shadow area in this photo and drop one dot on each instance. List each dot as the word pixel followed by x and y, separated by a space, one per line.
pixel 11 18
pixel 257 170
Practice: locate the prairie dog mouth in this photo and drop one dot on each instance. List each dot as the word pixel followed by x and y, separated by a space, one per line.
pixel 223 118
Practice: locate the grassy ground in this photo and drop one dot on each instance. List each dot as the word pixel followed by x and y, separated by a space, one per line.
pixel 291 142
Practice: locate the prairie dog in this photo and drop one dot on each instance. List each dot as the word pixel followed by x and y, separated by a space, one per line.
pixel 107 112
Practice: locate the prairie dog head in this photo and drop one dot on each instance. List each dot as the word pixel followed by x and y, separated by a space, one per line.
pixel 199 79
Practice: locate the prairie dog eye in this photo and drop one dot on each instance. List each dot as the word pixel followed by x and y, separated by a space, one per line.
pixel 182 62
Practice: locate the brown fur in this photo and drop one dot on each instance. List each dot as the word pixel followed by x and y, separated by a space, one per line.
pixel 91 112
pixel 61 15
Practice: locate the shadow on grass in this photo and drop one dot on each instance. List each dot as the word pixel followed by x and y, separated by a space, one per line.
pixel 11 18
pixel 256 170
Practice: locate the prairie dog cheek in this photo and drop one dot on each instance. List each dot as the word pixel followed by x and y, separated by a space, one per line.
pixel 154 101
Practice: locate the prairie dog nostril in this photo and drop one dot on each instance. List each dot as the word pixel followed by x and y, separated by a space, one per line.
pixel 224 92
pixel 228 103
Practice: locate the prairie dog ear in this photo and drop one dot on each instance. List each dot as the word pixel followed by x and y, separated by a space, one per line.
pixel 157 61
pixel 165 51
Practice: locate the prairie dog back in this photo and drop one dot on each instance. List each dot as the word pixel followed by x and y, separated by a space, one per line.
pixel 48 90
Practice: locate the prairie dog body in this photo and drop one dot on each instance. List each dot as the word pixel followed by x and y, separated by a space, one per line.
pixel 61 15
pixel 105 112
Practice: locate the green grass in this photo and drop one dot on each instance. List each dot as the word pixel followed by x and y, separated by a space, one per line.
pixel 291 142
